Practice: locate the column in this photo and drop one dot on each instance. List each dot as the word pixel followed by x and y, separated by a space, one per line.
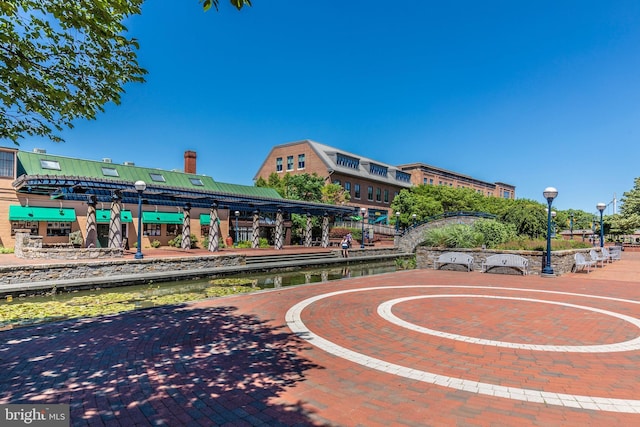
pixel 91 241
pixel 115 222
pixel 214 229
pixel 325 230
pixel 279 237
pixel 255 241
pixel 307 232
pixel 186 228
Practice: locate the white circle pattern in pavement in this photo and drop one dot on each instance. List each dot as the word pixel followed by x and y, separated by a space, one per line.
pixel 295 323
pixel 385 311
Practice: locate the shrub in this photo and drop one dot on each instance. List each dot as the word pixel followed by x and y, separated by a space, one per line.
pixel 176 242
pixel 154 243
pixel 454 236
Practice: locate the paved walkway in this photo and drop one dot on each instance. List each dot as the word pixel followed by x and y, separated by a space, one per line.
pixel 415 348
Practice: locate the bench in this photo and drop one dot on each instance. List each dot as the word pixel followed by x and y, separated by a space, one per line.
pixel 615 253
pixel 595 256
pixel 582 262
pixel 454 258
pixel 506 260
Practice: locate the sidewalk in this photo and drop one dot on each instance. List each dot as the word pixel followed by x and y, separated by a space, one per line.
pixel 413 348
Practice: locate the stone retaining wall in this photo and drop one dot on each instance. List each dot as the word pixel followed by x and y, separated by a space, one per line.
pixel 30 247
pixel 62 271
pixel 562 262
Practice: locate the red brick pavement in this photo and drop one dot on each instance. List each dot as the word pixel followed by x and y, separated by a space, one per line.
pixel 235 361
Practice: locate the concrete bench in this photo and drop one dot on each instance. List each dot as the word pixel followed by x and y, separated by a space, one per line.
pixel 454 258
pixel 582 262
pixel 506 260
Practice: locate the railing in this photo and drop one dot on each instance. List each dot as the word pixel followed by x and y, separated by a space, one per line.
pixel 447 215
pixel 382 229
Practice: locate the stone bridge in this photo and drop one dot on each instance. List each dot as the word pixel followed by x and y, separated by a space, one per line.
pixel 413 236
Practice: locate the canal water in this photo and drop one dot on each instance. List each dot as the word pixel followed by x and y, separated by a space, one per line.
pixel 82 303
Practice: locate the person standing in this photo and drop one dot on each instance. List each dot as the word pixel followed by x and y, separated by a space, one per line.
pixel 345 247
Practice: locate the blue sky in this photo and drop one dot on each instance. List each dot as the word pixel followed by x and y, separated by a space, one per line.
pixel 534 94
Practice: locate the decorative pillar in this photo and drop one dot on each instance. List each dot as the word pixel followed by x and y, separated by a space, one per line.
pixel 186 228
pixel 255 241
pixel 115 222
pixel 279 230
pixel 214 229
pixel 325 230
pixel 91 241
pixel 307 232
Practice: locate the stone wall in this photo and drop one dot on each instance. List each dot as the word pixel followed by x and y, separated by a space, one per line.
pixel 121 267
pixel 30 247
pixel 562 262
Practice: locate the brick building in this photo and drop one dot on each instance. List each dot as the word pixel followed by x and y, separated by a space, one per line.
pixel 370 183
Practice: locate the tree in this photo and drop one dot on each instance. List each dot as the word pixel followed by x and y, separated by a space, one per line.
pixel 334 194
pixel 631 201
pixel 62 60
pixel 206 4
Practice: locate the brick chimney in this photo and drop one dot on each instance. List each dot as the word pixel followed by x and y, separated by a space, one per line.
pixel 190 162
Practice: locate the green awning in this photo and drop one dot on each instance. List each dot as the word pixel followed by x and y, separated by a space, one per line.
pixel 162 217
pixel 104 216
pixel 28 213
pixel 205 219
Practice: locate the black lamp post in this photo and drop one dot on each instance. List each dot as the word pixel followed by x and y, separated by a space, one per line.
pixel 414 219
pixel 237 216
pixel 549 193
pixel 140 187
pixel 362 211
pixel 397 222
pixel 601 207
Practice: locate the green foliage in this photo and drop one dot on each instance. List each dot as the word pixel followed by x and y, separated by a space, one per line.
pixel 4 250
pixel 75 238
pixel 233 281
pixel 494 232
pixel 334 194
pixel 61 61
pixel 453 236
pixel 406 264
pixel 526 244
pixel 176 242
pixel 340 232
pixel 238 4
pixel 154 243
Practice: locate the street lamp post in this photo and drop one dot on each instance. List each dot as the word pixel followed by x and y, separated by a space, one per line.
pixel 397 222
pixel 237 215
pixel 553 224
pixel 414 219
pixel 362 211
pixel 140 187
pixel 549 193
pixel 601 207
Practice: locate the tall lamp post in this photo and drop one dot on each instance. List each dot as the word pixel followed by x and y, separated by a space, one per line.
pixel 362 211
pixel 237 216
pixel 414 219
pixel 140 187
pixel 549 193
pixel 397 222
pixel 601 207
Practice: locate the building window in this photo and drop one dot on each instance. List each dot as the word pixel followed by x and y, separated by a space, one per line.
pixel 430 181
pixel 403 176
pixel 356 191
pixel 289 163
pixel 386 196
pixel 370 193
pixel 300 161
pixel 279 164
pixel 424 180
pixel 378 194
pixel 506 194
pixel 151 229
pixel 336 181
pixel 50 164
pixel 174 229
pixel 347 161
pixel 32 226
pixel 347 187
pixel 157 177
pixel 378 170
pixel 6 164
pixel 196 181
pixel 109 172
pixel 58 228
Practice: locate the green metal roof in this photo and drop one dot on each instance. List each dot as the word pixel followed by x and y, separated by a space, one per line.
pixel 27 213
pixel 30 163
pixel 104 216
pixel 162 217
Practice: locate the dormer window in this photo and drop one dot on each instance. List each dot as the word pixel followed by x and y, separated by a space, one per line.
pixel 157 177
pixel 50 164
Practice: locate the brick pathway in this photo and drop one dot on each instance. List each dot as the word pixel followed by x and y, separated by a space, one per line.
pixel 413 348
